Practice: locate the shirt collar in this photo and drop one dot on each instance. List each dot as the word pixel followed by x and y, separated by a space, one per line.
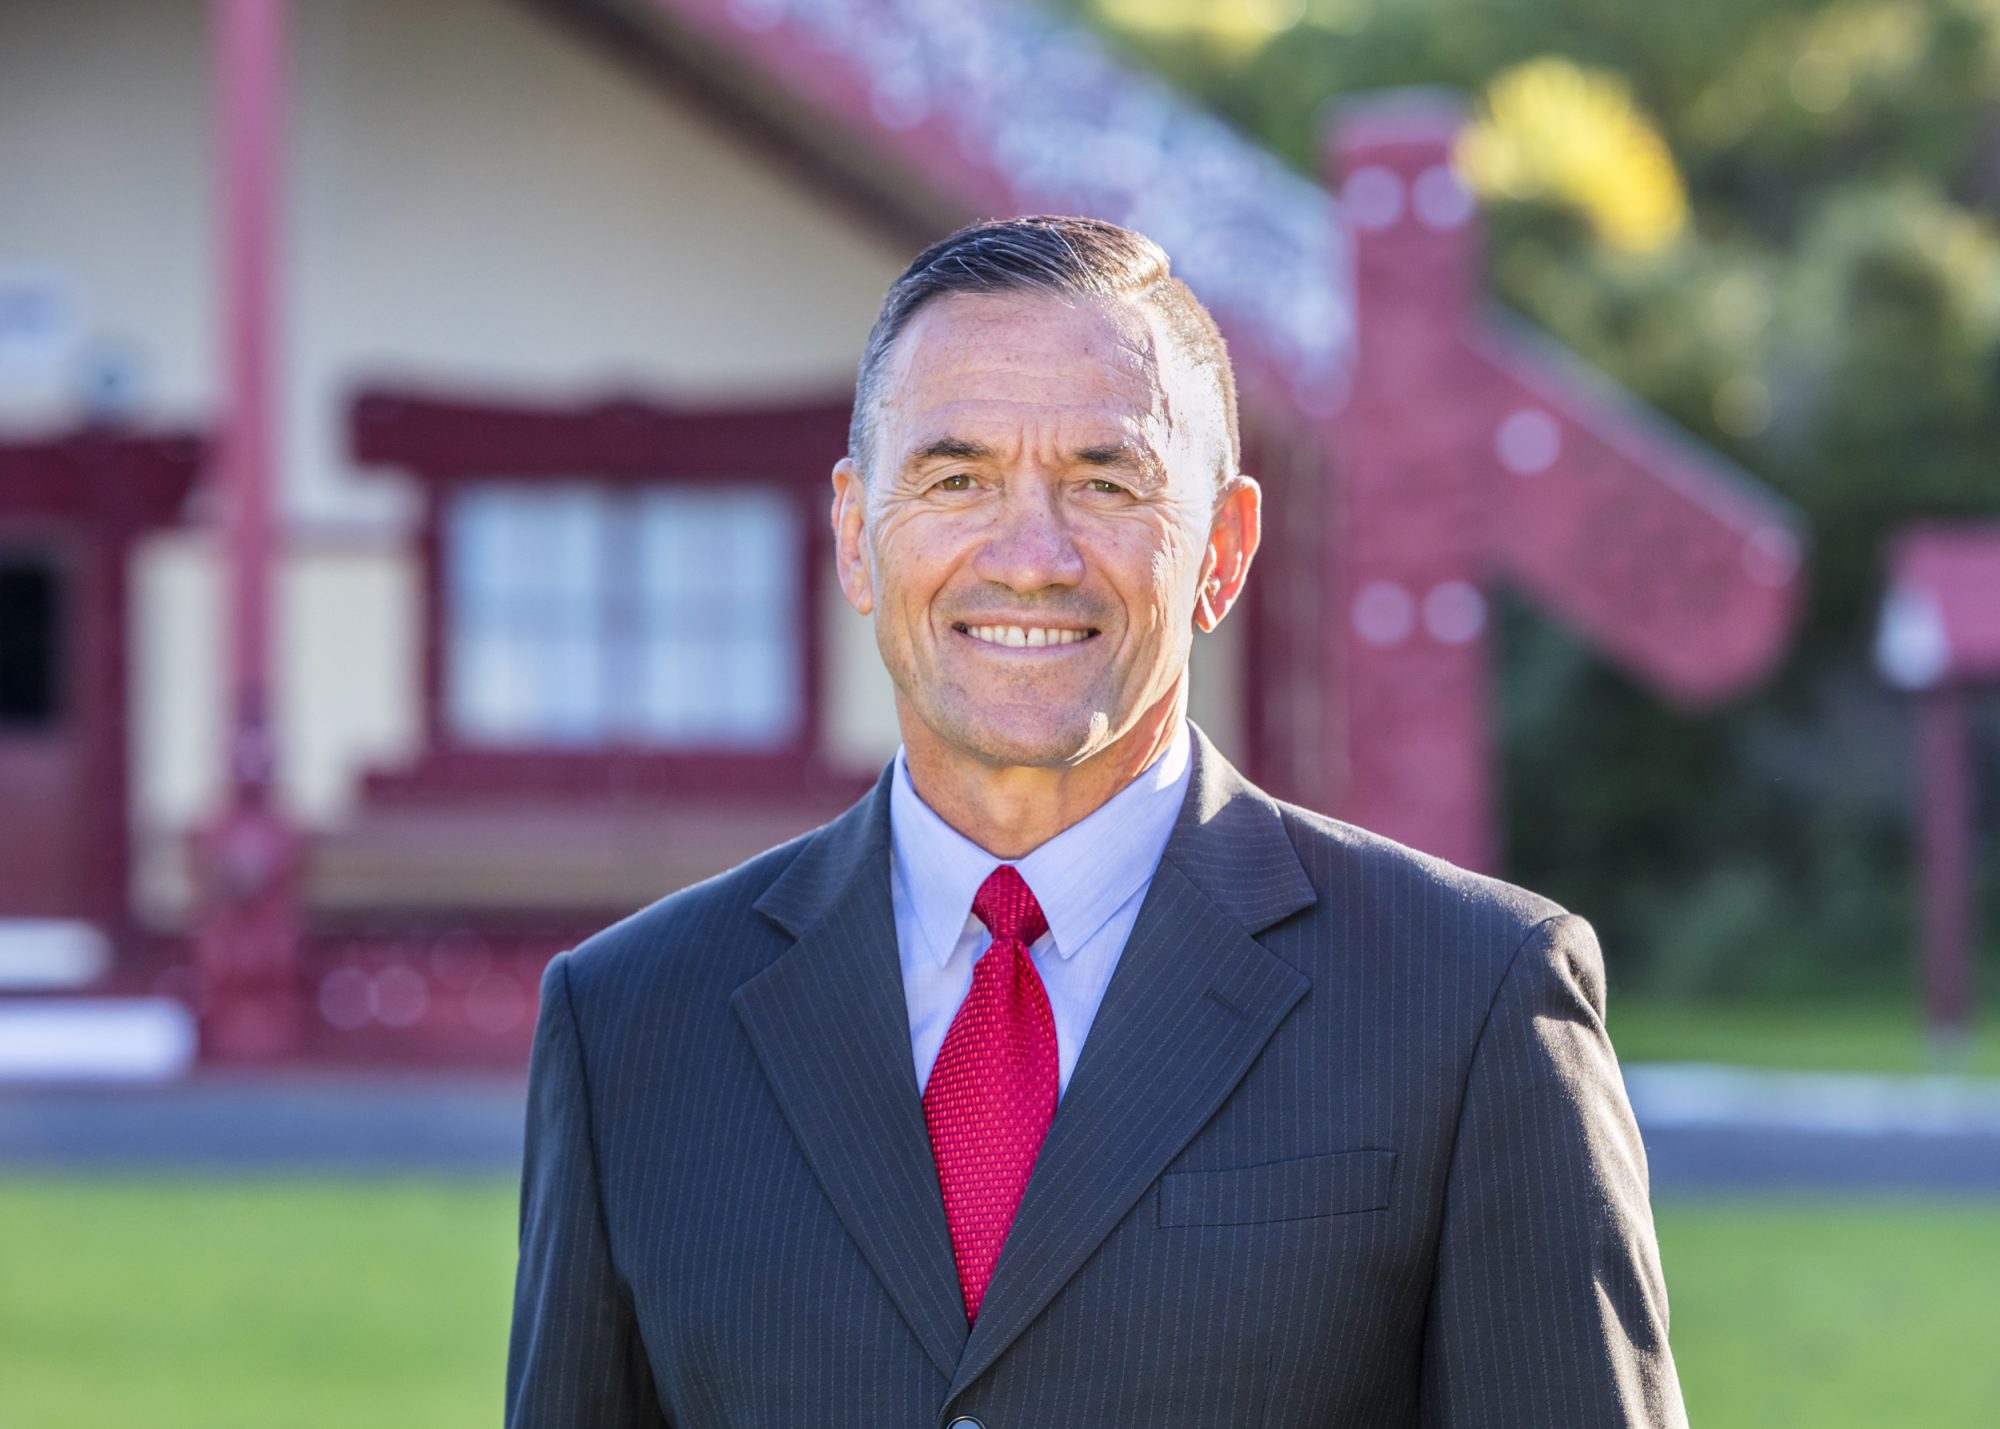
pixel 1080 877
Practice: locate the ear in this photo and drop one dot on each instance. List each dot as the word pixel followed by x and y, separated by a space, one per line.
pixel 850 537
pixel 1232 542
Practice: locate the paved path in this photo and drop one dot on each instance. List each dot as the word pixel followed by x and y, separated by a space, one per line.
pixel 1711 1128
pixel 1708 1130
pixel 297 1122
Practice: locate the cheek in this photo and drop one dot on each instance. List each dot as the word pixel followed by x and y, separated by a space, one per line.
pixel 912 561
pixel 1149 568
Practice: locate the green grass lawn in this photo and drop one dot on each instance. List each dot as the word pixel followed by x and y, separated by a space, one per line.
pixel 194 1304
pixel 1833 1315
pixel 181 1304
pixel 1856 1037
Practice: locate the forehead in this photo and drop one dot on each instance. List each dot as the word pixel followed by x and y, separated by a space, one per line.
pixel 1025 356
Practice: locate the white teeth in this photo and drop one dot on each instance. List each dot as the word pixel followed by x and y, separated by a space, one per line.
pixel 1020 637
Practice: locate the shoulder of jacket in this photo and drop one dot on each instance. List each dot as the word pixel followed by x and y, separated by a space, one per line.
pixel 705 920
pixel 1351 863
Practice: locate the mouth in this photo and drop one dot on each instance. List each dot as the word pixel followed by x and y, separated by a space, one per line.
pixel 1027 637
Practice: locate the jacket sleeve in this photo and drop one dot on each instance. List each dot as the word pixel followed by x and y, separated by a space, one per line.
pixel 1548 1305
pixel 574 1360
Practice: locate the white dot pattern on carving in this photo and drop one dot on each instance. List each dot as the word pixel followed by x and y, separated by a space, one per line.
pixel 1454 613
pixel 992 1090
pixel 1442 201
pixel 1383 613
pixel 1374 198
pixel 1528 442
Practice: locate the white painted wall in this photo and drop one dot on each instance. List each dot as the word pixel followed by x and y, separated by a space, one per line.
pixel 347 674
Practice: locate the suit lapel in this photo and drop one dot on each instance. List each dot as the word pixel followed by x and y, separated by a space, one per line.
pixel 1193 1002
pixel 831 1029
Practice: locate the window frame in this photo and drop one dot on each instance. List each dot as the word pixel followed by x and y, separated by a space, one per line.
pixel 447 445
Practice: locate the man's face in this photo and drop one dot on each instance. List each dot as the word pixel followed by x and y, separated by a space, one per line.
pixel 1041 525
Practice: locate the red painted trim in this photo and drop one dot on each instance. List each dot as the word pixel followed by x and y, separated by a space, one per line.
pixel 460 772
pixel 249 51
pixel 448 442
pixel 431 578
pixel 249 855
pixel 1947 844
pixel 101 662
pixel 1954 567
pixel 117 482
pixel 441 439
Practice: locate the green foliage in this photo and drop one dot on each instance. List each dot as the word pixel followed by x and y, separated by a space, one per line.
pixel 1889 340
pixel 1831 319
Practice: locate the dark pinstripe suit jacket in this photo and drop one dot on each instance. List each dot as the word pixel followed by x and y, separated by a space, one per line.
pixel 1346 1146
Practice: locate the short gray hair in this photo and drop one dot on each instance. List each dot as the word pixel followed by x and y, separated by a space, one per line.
pixel 1061 256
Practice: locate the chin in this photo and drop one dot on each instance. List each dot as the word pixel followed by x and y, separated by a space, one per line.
pixel 1036 743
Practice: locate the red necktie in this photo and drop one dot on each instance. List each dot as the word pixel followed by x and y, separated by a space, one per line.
pixel 992 1091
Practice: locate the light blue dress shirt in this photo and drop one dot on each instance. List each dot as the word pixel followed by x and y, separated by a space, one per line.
pixel 1090 880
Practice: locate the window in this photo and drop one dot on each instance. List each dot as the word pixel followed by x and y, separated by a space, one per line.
pixel 28 615
pixel 661 616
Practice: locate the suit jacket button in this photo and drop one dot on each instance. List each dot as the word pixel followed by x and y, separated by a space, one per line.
pixel 965 1421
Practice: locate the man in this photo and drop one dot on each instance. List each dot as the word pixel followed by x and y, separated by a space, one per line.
pixel 1068 1080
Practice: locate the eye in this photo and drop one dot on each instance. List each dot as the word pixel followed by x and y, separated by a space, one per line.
pixel 957 481
pixel 1106 485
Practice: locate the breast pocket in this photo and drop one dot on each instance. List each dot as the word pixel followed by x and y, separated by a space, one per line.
pixel 1339 1184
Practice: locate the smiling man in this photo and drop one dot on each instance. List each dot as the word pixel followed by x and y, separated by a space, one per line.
pixel 1069 1080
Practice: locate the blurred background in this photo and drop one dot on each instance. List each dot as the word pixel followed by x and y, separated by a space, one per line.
pixel 415 423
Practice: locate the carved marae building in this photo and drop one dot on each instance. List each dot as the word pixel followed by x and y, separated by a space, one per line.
pixel 569 295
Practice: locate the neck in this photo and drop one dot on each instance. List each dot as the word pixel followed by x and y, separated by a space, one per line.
pixel 1012 810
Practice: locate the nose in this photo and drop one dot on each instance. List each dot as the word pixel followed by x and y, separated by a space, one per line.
pixel 1030 548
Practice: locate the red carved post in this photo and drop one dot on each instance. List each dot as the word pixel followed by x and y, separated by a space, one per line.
pixel 247 944
pixel 1409 538
pixel 1470 451
pixel 1939 641
pixel 1945 829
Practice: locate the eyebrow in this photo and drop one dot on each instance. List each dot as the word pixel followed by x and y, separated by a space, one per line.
pixel 1124 455
pixel 950 449
pixel 1118 454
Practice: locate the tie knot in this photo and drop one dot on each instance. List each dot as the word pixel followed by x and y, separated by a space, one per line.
pixel 1007 906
